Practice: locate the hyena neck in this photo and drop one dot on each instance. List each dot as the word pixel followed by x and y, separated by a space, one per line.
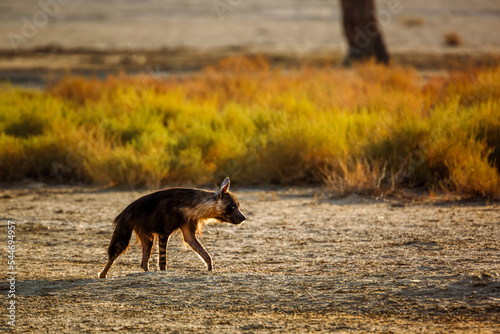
pixel 205 206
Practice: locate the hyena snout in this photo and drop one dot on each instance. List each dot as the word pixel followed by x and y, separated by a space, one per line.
pixel 234 217
pixel 238 217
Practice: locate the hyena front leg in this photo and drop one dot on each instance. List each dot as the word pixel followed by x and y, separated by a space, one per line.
pixel 190 238
pixel 162 250
pixel 147 246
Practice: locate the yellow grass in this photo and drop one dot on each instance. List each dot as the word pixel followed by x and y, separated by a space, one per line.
pixel 369 129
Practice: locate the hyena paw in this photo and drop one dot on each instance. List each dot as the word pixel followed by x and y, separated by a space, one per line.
pixel 101 275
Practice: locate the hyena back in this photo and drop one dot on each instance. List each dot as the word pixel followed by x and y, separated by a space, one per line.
pixel 165 211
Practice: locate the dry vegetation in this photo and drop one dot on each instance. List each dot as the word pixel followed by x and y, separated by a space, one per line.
pixel 412 21
pixel 452 39
pixel 371 129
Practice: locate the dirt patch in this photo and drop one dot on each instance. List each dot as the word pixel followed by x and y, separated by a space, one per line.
pixel 302 262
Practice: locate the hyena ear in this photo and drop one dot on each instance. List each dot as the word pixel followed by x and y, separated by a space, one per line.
pixel 224 187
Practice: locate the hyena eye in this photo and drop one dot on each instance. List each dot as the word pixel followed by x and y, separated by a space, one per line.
pixel 233 208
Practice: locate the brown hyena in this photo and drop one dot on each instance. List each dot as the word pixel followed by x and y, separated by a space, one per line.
pixel 165 211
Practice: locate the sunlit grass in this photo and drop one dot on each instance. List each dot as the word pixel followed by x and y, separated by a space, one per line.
pixel 370 129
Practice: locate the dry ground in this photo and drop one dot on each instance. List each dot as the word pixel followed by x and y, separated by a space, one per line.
pixel 301 262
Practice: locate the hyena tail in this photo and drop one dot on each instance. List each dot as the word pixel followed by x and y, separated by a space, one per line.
pixel 119 242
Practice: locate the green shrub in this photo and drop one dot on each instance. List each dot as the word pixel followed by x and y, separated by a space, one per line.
pixel 371 129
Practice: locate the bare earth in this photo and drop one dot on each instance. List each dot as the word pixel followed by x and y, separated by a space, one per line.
pixel 302 262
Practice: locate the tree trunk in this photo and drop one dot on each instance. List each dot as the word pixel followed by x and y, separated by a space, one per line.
pixel 362 32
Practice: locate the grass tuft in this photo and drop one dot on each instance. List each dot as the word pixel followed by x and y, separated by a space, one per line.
pixel 452 39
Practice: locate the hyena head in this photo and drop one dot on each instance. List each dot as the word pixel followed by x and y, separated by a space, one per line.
pixel 228 205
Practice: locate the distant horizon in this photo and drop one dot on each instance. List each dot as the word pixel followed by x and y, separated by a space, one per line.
pixel 274 26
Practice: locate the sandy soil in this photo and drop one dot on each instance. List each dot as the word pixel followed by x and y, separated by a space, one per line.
pixel 302 262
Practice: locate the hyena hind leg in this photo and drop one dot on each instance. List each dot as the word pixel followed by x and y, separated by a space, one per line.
pixel 162 252
pixel 147 245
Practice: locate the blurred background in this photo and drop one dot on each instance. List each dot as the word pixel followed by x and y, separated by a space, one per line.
pixel 187 34
pixel 255 90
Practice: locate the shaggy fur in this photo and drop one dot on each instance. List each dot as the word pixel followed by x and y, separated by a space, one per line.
pixel 165 211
